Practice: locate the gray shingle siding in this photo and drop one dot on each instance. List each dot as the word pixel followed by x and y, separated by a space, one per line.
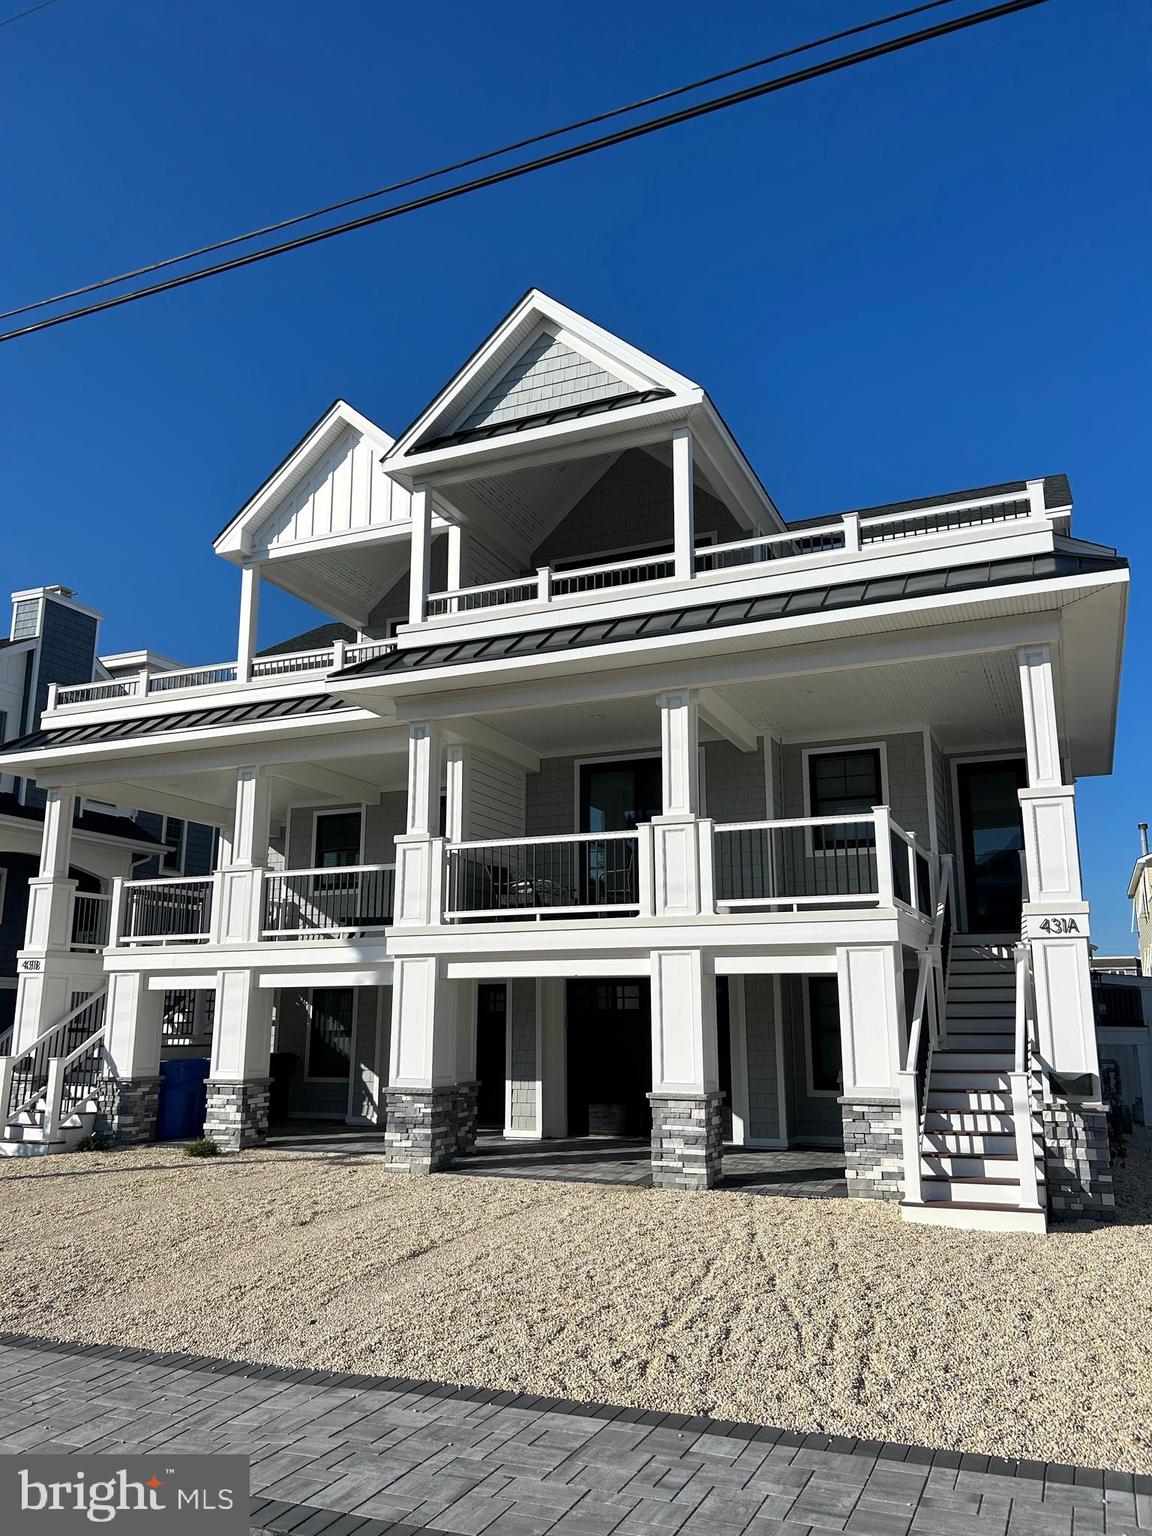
pixel 760 1037
pixel 734 782
pixel 523 1069
pixel 550 798
pixel 546 375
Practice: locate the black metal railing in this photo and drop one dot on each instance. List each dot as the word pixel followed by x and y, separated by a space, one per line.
pixel 882 530
pixel 154 910
pixel 90 914
pixel 30 1071
pixel 180 1023
pixel 722 557
pixel 795 862
pixel 602 578
pixel 583 873
pixel 327 901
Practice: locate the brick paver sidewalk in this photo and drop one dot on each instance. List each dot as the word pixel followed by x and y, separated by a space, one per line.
pixel 340 1455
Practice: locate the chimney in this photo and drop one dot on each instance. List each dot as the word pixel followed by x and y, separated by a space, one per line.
pixel 1142 827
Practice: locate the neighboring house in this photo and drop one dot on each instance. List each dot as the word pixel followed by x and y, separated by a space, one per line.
pixel 1122 998
pixel 1140 895
pixel 621 805
pixel 52 642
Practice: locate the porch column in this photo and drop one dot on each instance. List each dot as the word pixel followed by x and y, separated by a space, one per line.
pixel 683 506
pixel 455 557
pixel 873 1040
pixel 682 843
pixel 431 1098
pixel 420 852
pixel 239 1079
pixel 240 918
pixel 43 965
pixel 685 1098
pixel 421 560
pixel 249 619
pixel 1056 928
pixel 135 1028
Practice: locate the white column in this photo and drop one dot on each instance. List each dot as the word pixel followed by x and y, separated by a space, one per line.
pixel 872 1030
pixel 1055 916
pixel 426 1033
pixel 421 560
pixel 135 1017
pixel 43 984
pixel 242 1031
pixel 420 852
pixel 681 842
pixel 684 1051
pixel 455 557
pixel 249 619
pixel 683 508
pixel 456 772
pixel 240 885
pixel 738 1054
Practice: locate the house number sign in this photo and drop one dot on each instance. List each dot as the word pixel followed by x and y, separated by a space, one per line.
pixel 31 965
pixel 1056 927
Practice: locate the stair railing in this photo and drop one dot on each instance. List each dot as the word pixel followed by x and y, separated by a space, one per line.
pixel 34 1061
pixel 71 1079
pixel 941 945
pixel 1021 1080
pixel 913 1080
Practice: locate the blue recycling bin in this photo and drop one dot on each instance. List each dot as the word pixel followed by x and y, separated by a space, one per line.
pixel 183 1098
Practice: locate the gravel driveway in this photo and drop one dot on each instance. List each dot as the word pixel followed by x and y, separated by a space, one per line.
pixel 806 1314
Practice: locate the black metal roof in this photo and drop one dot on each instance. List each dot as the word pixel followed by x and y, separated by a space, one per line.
pixel 312 639
pixel 1057 493
pixel 97 822
pixel 682 621
pixel 188 720
pixel 542 419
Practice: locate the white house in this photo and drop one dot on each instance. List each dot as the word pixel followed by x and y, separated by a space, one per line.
pixel 620 805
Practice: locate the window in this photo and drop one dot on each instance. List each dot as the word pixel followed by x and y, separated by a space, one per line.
pixel 825 1062
pixel 26 619
pixel 617 796
pixel 172 859
pixel 330 1033
pixel 838 784
pixel 337 839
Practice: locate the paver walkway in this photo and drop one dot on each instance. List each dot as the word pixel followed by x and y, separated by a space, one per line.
pixel 808 1173
pixel 339 1455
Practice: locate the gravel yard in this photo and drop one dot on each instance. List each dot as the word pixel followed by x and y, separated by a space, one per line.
pixel 809 1314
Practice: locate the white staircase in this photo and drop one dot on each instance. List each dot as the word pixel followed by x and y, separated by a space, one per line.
pixel 47 1090
pixel 969 1091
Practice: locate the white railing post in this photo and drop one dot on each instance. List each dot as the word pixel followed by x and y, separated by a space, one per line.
pixel 7 1065
pixel 53 1097
pixel 53 692
pixel 116 912
pixel 339 653
pixel 913 874
pixel 645 856
pixel 851 521
pixel 882 821
pixel 141 683
pixel 910 1135
pixel 705 828
pixel 544 579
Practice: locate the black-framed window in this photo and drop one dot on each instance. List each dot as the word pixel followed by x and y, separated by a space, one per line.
pixel 172 859
pixel 615 796
pixel 824 1035
pixel 330 1033
pixel 337 839
pixel 840 783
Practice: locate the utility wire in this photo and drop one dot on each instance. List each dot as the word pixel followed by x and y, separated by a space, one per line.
pixel 558 157
pixel 31 11
pixel 473 160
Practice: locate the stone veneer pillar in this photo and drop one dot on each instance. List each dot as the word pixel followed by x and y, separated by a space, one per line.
pixel 128 1107
pixel 1077 1161
pixel 686 1140
pixel 873 1146
pixel 465 1114
pixel 237 1113
pixel 422 1133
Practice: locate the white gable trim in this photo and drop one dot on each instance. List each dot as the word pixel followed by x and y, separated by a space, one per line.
pixel 535 312
pixel 235 542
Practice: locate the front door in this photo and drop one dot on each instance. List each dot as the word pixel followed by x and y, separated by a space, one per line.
pixel 609 1057
pixel 991 842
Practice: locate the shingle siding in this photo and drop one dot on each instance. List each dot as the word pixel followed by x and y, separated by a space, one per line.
pixel 496 798
pixel 735 787
pixel 763 1070
pixel 550 798
pixel 546 375
pixel 383 823
pixel 523 1067
pixel 907 782
pixel 811 1117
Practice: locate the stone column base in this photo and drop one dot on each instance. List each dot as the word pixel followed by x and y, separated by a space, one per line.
pixel 237 1113
pixel 128 1108
pixel 465 1117
pixel 421 1132
pixel 873 1146
pixel 1077 1161
pixel 686 1140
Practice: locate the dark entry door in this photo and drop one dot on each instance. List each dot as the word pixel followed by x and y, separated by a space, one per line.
pixel 615 796
pixel 991 839
pixel 609 1058
pixel 491 1055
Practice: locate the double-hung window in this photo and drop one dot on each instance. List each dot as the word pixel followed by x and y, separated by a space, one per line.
pixel 840 783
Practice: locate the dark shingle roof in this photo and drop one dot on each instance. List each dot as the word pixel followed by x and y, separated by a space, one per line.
pixel 312 639
pixel 188 720
pixel 543 418
pixel 96 822
pixel 680 621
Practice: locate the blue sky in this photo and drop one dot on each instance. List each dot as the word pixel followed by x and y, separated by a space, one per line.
pixel 927 273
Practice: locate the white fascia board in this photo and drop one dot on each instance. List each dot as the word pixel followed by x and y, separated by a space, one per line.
pixel 534 309
pixel 485 456
pixel 1142 863
pixel 232 544
pixel 135 661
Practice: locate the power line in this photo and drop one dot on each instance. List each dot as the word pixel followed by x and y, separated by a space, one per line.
pixel 31 11
pixel 473 160
pixel 543 162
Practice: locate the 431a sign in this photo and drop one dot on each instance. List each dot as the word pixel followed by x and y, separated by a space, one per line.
pixel 1057 926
